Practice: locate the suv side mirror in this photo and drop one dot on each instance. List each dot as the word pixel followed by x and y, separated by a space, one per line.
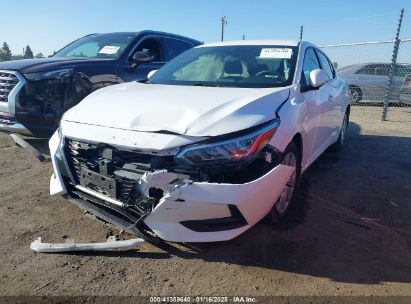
pixel 142 57
pixel 317 78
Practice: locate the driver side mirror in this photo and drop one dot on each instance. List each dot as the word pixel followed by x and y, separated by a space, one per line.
pixel 142 57
pixel 317 78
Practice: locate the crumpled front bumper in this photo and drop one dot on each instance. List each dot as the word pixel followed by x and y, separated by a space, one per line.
pixel 199 211
pixel 10 125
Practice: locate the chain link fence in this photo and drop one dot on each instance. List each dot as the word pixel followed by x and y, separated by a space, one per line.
pixel 367 66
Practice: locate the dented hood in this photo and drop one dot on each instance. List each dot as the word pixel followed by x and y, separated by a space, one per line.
pixel 188 110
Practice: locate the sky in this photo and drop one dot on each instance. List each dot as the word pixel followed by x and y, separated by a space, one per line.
pixel 48 25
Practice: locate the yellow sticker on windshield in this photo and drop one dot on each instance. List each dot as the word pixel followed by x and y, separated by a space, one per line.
pixel 278 53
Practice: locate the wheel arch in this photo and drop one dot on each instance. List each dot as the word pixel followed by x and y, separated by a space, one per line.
pixel 298 141
pixel 354 86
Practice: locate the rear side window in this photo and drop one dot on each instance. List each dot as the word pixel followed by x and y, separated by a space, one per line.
pixel 310 63
pixel 175 47
pixel 325 65
pixel 382 69
pixel 402 71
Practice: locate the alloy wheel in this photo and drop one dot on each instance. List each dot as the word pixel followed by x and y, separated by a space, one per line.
pixel 286 195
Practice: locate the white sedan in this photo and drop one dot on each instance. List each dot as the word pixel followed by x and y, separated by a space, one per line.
pixel 209 145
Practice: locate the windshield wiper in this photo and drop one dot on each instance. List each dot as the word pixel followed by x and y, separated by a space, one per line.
pixel 145 81
pixel 202 84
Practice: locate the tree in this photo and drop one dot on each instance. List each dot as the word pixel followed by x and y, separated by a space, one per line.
pixel 39 55
pixel 28 53
pixel 5 53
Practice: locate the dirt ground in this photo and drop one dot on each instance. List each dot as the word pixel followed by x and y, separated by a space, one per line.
pixel 315 252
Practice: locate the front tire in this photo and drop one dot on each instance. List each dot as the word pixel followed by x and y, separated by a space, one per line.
pixel 337 146
pixel 290 157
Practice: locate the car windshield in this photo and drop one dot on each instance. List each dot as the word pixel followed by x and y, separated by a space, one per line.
pixel 97 46
pixel 244 66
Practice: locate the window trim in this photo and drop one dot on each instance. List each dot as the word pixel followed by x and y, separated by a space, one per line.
pixel 329 63
pixel 303 86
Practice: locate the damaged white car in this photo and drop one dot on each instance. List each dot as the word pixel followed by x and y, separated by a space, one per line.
pixel 212 143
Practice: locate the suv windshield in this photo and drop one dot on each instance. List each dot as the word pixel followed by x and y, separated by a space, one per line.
pixel 245 66
pixel 98 46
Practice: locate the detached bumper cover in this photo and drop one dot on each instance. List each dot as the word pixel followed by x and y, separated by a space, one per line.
pixel 110 244
pixel 188 211
pixel 200 201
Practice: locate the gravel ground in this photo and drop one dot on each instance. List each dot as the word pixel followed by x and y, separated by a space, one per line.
pixel 315 252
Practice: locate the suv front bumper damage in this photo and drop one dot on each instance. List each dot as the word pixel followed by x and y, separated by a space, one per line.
pixel 187 211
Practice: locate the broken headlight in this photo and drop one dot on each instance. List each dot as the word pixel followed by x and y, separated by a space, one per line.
pixel 242 148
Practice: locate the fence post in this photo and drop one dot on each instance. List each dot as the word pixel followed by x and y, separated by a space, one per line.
pixel 388 92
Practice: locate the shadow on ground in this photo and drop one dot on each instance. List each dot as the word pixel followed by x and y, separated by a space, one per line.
pixel 41 144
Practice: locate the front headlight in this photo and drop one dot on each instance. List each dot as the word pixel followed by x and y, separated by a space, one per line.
pixel 56 74
pixel 244 147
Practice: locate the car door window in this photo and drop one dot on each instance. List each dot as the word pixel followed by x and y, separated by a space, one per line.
pixel 175 47
pixel 310 63
pixel 402 71
pixel 367 70
pixel 325 65
pixel 382 69
pixel 151 46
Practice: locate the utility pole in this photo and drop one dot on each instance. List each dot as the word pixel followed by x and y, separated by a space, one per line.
pixel 301 32
pixel 388 92
pixel 223 24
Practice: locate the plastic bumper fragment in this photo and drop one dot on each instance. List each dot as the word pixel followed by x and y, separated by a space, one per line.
pixel 110 244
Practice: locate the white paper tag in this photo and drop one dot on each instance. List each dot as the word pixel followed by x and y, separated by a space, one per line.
pixel 109 50
pixel 279 53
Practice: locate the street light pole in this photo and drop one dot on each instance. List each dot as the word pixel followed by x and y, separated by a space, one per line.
pixel 223 24
pixel 301 32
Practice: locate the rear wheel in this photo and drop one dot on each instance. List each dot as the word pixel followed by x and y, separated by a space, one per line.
pixel 291 157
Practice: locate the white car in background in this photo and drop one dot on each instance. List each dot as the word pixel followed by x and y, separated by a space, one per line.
pixel 212 143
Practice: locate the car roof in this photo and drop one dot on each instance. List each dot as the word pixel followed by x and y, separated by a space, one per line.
pixel 253 42
pixel 151 32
